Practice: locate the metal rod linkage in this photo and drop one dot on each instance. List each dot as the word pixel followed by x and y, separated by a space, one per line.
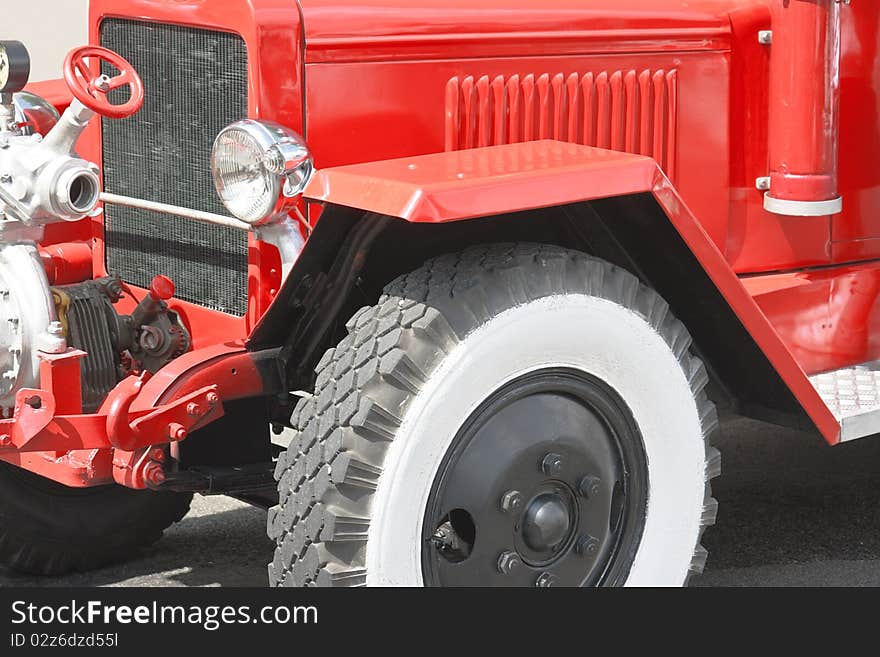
pixel 177 211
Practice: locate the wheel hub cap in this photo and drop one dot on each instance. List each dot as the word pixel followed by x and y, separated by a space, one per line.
pixel 545 485
pixel 546 523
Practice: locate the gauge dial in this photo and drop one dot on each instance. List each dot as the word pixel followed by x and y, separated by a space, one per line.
pixel 15 66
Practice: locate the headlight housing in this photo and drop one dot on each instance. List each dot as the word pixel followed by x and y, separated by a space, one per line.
pixel 259 169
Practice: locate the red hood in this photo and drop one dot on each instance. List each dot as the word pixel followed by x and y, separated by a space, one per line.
pixel 340 30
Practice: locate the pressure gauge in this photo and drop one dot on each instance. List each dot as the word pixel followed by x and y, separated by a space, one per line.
pixel 15 66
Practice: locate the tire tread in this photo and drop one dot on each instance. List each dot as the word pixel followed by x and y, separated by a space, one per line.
pixel 390 352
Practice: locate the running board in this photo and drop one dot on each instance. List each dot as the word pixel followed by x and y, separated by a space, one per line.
pixel 853 397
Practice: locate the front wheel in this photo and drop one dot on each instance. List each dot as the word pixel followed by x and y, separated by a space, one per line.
pixel 514 415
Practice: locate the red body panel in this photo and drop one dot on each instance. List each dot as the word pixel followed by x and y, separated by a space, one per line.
pixel 684 82
pixel 826 316
pixel 55 91
pixel 401 62
pixel 382 121
pixel 477 183
pixel 466 184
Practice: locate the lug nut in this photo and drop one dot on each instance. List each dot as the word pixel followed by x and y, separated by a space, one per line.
pixel 508 562
pixel 586 544
pixel 511 501
pixel 552 465
pixel 589 486
pixel 545 580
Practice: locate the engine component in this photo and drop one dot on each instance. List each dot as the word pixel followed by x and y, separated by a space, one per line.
pixel 118 344
pixel 92 325
pixel 26 312
pixel 34 115
pixel 159 335
pixel 42 181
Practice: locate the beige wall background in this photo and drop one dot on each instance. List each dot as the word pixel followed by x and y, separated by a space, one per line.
pixel 49 28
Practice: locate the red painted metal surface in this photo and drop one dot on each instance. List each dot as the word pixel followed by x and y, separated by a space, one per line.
pixel 383 122
pixel 229 367
pixel 856 232
pixel 629 111
pixel 48 434
pixel 385 30
pixel 804 101
pixel 829 318
pixel 54 91
pixel 465 184
pixel 757 241
pixel 67 262
pixel 682 81
pixel 480 182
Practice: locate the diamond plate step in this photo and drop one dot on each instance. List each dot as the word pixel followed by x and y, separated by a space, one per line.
pixel 853 396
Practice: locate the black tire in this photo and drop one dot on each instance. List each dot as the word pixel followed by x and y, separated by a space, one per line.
pixel 50 529
pixel 329 476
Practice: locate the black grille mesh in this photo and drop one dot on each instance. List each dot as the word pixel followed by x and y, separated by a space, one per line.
pixel 196 84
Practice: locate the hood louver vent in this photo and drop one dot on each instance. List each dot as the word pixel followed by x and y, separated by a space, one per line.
pixel 630 111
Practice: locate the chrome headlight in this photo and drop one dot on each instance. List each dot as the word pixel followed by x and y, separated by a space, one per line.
pixel 259 169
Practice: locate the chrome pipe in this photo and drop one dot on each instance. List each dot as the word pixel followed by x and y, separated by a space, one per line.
pixel 175 210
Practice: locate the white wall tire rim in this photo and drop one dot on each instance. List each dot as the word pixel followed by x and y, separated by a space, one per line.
pixel 575 331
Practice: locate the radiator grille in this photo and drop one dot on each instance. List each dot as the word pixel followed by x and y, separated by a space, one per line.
pixel 630 111
pixel 196 83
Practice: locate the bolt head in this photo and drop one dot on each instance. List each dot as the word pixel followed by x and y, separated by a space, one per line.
pixel 5 440
pixel 176 431
pixel 589 486
pixel 586 545
pixel 193 409
pixel 508 562
pixel 552 465
pixel 212 398
pixel 545 580
pixel 5 179
pixel 154 475
pixel 512 501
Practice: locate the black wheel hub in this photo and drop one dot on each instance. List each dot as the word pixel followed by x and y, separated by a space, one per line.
pixel 546 527
pixel 545 485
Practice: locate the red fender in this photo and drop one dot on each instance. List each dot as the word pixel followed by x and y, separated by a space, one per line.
pixel 491 181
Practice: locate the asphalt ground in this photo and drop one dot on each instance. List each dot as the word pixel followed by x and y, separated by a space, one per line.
pixel 793 512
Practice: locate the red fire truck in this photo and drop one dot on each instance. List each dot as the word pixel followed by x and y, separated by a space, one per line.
pixel 488 266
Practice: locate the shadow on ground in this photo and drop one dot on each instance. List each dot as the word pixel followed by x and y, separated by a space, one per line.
pixel 793 512
pixel 221 542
